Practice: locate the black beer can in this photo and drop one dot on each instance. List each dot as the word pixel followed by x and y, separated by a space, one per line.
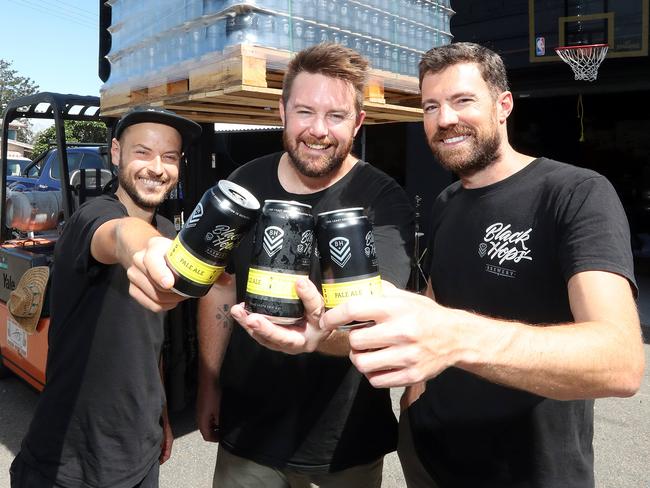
pixel 200 252
pixel 348 260
pixel 281 255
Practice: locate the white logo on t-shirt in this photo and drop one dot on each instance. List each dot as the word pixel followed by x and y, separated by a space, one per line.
pixel 505 245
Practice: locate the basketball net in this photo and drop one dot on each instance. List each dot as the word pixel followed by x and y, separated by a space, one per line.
pixel 584 60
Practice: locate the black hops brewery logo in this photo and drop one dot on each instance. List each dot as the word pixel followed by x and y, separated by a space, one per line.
pixel 305 242
pixel 222 237
pixel 272 240
pixel 195 217
pixel 340 250
pixel 370 245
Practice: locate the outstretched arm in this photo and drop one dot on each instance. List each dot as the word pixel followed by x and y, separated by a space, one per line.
pixel 140 249
pixel 415 339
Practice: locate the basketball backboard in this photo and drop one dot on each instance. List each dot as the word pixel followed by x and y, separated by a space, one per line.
pixel 622 24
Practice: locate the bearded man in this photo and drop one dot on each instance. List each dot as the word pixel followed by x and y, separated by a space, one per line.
pixel 530 314
pixel 101 418
pixel 293 420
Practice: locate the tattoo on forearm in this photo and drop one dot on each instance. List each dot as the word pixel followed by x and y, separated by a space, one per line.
pixel 223 316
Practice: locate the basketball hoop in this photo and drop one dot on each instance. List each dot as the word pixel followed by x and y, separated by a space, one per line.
pixel 583 59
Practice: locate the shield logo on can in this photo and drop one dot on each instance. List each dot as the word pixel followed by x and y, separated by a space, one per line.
pixel 340 251
pixel 272 240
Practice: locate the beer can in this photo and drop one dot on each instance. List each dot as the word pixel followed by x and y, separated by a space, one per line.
pixel 200 251
pixel 281 255
pixel 348 260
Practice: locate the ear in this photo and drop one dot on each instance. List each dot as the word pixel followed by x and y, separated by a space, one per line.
pixel 505 104
pixel 115 152
pixel 281 108
pixel 359 122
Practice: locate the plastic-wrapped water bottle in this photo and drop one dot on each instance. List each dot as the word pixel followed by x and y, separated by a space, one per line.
pixel 355 13
pixel 216 35
pixel 402 33
pixel 300 7
pixel 321 11
pixel 345 40
pixel 385 56
pixel 323 35
pixel 195 41
pixel 283 27
pixel 266 30
pixel 394 59
pixel 298 36
pixel 375 26
pixel 376 59
pixel 335 36
pixel 345 17
pixel 404 61
pixel 386 27
pixel 310 35
pixel 357 44
pixel 332 12
pixel 419 38
pixel 410 35
pixel 413 61
pixel 428 39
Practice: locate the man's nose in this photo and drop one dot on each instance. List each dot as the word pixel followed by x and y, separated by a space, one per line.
pixel 447 116
pixel 318 127
pixel 156 165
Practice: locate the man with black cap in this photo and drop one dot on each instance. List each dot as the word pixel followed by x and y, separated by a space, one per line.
pixel 101 420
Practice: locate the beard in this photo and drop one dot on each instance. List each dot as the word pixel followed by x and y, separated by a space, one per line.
pixel 323 166
pixel 142 201
pixel 483 152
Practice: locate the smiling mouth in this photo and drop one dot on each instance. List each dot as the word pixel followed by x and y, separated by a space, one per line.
pixel 153 184
pixel 454 140
pixel 316 147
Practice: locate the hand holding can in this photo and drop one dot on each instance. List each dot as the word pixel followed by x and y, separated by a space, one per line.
pixel 281 255
pixel 200 251
pixel 348 259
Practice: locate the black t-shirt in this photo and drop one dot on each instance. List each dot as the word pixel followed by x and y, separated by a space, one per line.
pixel 508 250
pixel 97 420
pixel 313 411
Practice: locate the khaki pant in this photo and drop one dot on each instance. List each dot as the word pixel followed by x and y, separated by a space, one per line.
pixel 415 474
pixel 237 472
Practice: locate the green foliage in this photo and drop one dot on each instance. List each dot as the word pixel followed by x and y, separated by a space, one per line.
pixel 75 131
pixel 12 85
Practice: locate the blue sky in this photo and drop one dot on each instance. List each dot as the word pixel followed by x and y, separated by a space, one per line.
pixel 53 42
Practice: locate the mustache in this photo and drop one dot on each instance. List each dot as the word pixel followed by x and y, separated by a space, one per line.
pixel 313 140
pixel 457 130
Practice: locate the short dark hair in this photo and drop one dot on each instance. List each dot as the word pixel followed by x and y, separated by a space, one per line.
pixel 332 60
pixel 490 63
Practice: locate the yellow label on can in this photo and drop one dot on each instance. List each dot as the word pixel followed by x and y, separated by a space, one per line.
pixel 191 267
pixel 337 293
pixel 271 284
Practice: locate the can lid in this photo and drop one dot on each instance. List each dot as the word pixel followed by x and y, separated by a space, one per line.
pixel 291 202
pixel 341 210
pixel 238 194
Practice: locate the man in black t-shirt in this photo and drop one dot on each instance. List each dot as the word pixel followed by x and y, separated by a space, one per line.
pixel 100 420
pixel 288 420
pixel 534 316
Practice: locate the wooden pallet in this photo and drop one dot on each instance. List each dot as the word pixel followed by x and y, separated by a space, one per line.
pixel 244 85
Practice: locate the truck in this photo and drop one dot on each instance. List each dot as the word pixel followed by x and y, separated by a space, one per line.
pixel 43 173
pixel 32 211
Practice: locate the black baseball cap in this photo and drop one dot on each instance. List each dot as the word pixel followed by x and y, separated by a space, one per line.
pixel 188 129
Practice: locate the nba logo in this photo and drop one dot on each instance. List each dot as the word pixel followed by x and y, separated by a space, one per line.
pixel 540 46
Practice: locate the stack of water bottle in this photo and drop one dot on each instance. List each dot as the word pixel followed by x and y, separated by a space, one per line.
pixel 150 36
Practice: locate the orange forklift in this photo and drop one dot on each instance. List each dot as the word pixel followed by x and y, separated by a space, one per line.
pixel 30 223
